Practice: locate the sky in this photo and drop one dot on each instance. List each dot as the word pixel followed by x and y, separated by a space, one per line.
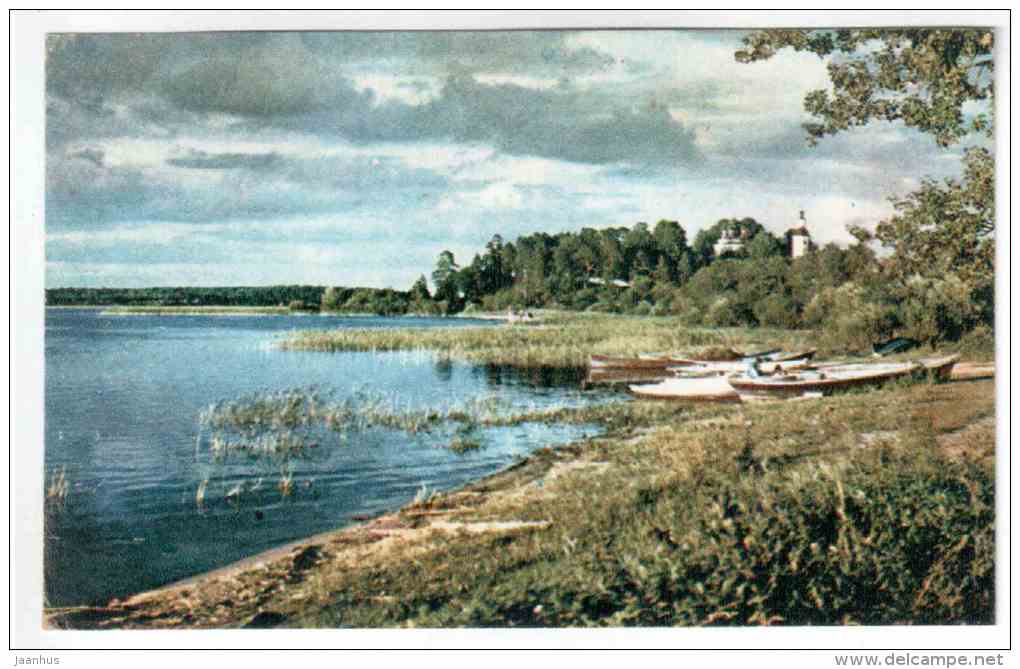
pixel 354 159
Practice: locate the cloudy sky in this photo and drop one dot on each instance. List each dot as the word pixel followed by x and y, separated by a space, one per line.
pixel 355 158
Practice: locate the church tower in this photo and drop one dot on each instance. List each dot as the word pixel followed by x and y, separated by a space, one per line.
pixel 798 238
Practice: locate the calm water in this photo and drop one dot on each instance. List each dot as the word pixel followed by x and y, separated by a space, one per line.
pixel 123 397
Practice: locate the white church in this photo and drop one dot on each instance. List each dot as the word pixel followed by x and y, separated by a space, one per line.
pixel 732 240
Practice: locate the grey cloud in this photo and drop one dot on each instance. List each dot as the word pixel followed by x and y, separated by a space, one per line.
pixel 94 156
pixel 562 123
pixel 82 195
pixel 545 52
pixel 296 82
pixel 224 161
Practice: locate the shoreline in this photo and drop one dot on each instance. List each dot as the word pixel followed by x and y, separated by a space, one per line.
pixel 120 310
pixel 470 544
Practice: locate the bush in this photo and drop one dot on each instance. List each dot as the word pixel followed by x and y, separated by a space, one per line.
pixel 978 343
pixel 777 311
pixel 724 312
pixel 848 321
pixel 936 310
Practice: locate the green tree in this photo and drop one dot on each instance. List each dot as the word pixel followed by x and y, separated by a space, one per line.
pixel 940 81
pixel 330 299
pixel 670 239
pixel 444 279
pixel 764 245
pixel 662 274
pixel 945 227
pixel 420 290
pixel 923 77
pixel 685 267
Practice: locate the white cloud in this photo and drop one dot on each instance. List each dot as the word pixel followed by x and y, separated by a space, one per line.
pixel 389 87
pixel 500 79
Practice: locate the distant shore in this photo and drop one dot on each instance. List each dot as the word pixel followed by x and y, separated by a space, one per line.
pixel 212 310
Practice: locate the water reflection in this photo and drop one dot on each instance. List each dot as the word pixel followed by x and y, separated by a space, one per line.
pixel 534 377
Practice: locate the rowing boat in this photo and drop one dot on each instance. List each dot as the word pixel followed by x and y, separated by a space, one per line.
pixel 940 368
pixel 610 362
pixel 741 364
pixel 705 389
pixel 736 367
pixel 823 380
pixel 973 370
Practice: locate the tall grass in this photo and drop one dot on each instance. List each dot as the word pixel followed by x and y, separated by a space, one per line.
pixel 564 340
pixel 281 425
pixel 58 489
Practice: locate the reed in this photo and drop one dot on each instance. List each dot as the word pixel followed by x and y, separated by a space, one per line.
pixel 282 425
pixel 59 487
pixel 200 494
pixel 286 483
pixel 563 340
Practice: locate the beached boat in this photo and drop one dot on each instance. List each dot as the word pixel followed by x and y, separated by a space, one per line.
pixel 612 377
pixel 969 371
pixel 738 366
pixel 610 362
pixel 741 363
pixel 662 362
pixel 940 368
pixel 705 389
pixel 823 380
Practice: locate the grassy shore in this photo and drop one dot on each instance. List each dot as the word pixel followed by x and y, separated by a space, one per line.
pixel 870 507
pixel 873 508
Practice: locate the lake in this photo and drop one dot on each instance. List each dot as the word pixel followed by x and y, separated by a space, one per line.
pixel 123 399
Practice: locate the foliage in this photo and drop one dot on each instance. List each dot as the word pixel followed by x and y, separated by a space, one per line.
pixel 935 310
pixel 941 82
pixel 776 311
pixel 946 230
pixel 847 320
pixel 926 78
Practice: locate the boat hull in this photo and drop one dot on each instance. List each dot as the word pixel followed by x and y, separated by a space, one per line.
pixel 833 378
pixel 708 389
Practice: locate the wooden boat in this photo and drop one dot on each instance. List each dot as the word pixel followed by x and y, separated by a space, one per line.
pixel 705 389
pixel 822 380
pixel 973 370
pixel 610 362
pixel 738 367
pixel 601 362
pixel 741 364
pixel 940 368
pixel 623 376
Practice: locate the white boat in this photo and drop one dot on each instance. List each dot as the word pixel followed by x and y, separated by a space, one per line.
pixel 704 389
pixel 821 380
pixel 737 367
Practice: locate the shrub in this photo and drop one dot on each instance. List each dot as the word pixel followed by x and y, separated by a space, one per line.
pixel 978 343
pixel 724 312
pixel 936 310
pixel 847 320
pixel 777 311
